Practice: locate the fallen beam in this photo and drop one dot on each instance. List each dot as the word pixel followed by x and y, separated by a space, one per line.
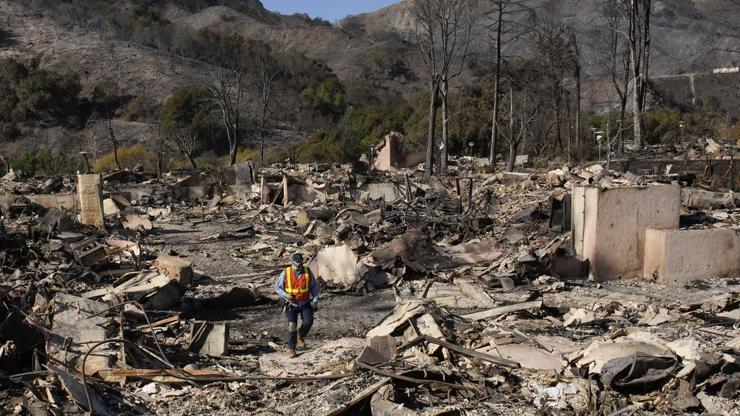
pixel 161 322
pixel 493 265
pixel 207 376
pixel 461 350
pixel 503 310
pixel 395 376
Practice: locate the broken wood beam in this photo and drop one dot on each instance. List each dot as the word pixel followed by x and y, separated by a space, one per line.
pixel 395 376
pixel 177 375
pixel 409 192
pixel 161 322
pixel 503 310
pixel 494 265
pixel 460 350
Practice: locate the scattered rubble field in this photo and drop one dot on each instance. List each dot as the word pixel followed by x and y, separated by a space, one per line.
pixel 577 290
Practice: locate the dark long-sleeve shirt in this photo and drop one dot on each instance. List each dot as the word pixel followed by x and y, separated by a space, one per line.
pixel 280 287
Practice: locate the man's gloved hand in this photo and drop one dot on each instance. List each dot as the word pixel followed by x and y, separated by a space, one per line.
pixel 290 298
pixel 315 305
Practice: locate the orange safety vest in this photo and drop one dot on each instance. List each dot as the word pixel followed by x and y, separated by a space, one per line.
pixel 299 287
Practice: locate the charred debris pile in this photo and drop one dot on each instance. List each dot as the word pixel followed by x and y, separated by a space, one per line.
pixel 567 290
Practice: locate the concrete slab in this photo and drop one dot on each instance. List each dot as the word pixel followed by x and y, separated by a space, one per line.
pixel 681 255
pixel 387 191
pixel 209 338
pixel 462 294
pixel 474 251
pixel 82 321
pixel 528 356
pixel 701 199
pixel 401 314
pixel 609 226
pixel 110 208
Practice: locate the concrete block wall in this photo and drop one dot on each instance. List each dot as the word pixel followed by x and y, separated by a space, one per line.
pixel 389 156
pixel 609 226
pixel 681 255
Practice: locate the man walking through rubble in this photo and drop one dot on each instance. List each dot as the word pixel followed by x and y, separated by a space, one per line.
pixel 300 290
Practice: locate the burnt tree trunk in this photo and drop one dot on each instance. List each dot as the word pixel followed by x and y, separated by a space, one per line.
pixel 496 86
pixel 433 95
pixel 445 128
pixel 512 144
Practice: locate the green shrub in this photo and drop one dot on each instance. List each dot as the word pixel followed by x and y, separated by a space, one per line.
pixel 38 95
pixel 48 96
pixel 44 162
pixel 9 131
pixel 321 148
pixel 662 126
pixel 186 109
pixel 368 125
pixel 143 107
pixel 325 97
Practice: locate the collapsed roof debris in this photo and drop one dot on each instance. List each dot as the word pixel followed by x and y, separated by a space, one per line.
pixel 571 290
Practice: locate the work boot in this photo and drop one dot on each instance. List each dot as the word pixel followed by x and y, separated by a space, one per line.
pixel 300 343
pixel 292 353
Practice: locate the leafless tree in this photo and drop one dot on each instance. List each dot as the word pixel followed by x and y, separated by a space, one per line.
pixel 265 70
pixel 159 150
pixel 113 141
pixel 426 38
pixel 4 166
pixel 443 29
pixel 557 61
pixel 503 30
pixel 617 63
pixel 455 20
pixel 229 87
pixel 637 15
pixel 520 120
pixel 577 76
pixel 185 139
pixel 105 94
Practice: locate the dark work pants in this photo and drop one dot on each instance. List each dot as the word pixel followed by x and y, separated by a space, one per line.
pixel 292 312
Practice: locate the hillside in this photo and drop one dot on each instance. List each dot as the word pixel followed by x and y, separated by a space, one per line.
pixel 373 54
pixel 140 71
pixel 688 35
